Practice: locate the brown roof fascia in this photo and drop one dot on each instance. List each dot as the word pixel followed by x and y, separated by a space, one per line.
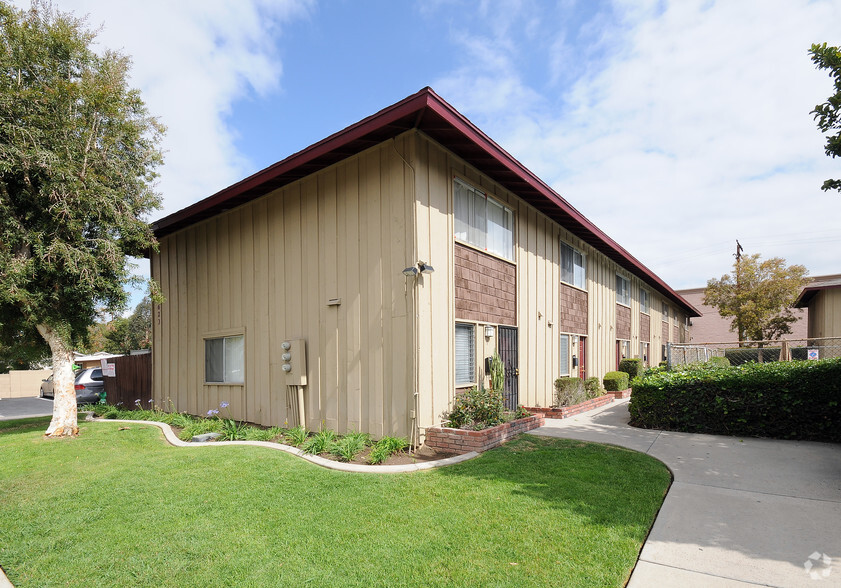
pixel 414 112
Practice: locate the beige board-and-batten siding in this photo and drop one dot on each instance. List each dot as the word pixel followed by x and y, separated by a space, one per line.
pixel 268 268
pixel 537 260
pixel 825 314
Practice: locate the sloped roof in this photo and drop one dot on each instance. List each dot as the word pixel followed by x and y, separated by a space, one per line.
pixel 814 287
pixel 429 113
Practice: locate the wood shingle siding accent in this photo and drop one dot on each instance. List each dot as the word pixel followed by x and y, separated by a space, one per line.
pixel 676 334
pixel 573 310
pixel 665 332
pixel 485 287
pixel 645 327
pixel 623 322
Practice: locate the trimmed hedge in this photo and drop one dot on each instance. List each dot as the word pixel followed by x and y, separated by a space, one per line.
pixel 631 366
pixel 569 391
pixel 615 381
pixel 782 400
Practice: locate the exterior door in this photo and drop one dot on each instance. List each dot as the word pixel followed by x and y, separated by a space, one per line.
pixel 582 359
pixel 507 347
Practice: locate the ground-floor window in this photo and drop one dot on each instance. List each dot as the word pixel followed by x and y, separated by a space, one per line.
pixel 465 354
pixel 623 350
pixel 644 349
pixel 224 360
pixel 570 348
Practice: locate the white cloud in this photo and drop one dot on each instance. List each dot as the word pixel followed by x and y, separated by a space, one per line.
pixel 692 131
pixel 191 60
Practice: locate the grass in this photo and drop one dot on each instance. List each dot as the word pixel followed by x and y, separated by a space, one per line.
pixel 118 506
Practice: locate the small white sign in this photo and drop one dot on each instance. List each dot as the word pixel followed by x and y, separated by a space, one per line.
pixel 813 354
pixel 110 370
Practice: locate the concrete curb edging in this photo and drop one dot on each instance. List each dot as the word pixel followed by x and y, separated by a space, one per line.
pixel 173 439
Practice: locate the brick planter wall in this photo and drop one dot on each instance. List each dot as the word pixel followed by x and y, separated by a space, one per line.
pixel 564 412
pixel 461 441
pixel 621 393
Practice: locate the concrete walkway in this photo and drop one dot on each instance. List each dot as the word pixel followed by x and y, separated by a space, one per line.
pixel 741 511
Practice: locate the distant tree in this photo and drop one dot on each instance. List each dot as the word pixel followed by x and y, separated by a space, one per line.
pixel 78 153
pixel 758 297
pixel 828 114
pixel 133 332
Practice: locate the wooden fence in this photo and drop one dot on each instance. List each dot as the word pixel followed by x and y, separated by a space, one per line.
pixel 133 381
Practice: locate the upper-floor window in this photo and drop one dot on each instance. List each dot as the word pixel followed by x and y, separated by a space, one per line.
pixel 623 290
pixel 573 266
pixel 665 312
pixel 483 222
pixel 644 304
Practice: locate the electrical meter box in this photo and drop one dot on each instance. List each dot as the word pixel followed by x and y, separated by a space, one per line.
pixel 293 361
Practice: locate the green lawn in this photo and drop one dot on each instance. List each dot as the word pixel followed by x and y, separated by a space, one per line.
pixel 121 507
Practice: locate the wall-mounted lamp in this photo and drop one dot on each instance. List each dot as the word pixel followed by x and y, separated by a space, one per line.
pixel 425 268
pixel 410 272
pixel 489 331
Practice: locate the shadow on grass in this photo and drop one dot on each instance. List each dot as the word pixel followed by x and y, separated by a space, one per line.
pixel 608 485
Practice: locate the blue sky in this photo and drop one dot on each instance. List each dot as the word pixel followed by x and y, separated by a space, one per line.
pixel 677 127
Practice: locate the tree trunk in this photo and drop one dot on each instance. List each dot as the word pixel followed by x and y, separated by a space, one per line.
pixel 64 423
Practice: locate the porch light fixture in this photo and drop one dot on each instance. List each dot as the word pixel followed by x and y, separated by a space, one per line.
pixel 489 331
pixel 425 268
pixel 410 272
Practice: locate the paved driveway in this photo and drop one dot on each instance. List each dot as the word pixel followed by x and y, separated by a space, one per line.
pixel 740 512
pixel 20 408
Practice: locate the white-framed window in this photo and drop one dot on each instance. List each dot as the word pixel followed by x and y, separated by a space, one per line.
pixel 573 266
pixel 465 354
pixel 644 350
pixel 569 355
pixel 482 221
pixel 644 303
pixel 665 312
pixel 623 290
pixel 224 360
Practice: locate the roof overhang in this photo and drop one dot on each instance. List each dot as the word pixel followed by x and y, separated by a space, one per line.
pixel 810 292
pixel 427 112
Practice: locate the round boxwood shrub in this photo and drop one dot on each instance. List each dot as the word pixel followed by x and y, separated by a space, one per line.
pixel 615 381
pixel 631 366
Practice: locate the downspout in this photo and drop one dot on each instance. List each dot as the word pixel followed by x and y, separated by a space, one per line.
pixel 414 432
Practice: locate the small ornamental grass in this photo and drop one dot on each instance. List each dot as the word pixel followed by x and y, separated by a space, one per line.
pixel 350 445
pixel 385 448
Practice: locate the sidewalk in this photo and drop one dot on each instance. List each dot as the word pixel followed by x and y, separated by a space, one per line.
pixel 740 512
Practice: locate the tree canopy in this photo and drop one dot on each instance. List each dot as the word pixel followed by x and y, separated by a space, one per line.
pixel 78 158
pixel 758 296
pixel 828 114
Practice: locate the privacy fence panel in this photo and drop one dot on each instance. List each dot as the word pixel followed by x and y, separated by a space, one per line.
pixel 132 381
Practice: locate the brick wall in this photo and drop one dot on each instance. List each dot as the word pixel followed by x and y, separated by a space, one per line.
pixel 485 287
pixel 573 310
pixel 461 441
pixel 645 327
pixel 623 322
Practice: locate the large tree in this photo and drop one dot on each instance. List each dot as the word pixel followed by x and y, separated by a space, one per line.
pixel 78 154
pixel 758 296
pixel 828 114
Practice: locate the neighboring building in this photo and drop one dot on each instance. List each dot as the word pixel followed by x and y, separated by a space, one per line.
pixel 823 299
pixel 335 245
pixel 92 360
pixel 711 327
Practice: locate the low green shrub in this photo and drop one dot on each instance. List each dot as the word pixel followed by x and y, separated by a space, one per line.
pixel 200 427
pixel 718 362
pixel 297 435
pixel 321 442
pixel 350 445
pixel 385 448
pixel 783 400
pixel 593 387
pixel 615 381
pixel 569 391
pixel 476 409
pixel 631 366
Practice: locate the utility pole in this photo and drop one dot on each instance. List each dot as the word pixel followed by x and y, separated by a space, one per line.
pixel 739 292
